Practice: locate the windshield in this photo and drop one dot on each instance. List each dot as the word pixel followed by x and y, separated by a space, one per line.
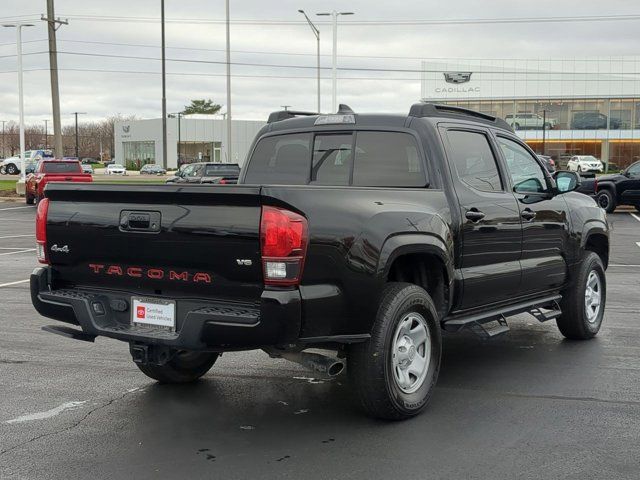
pixel 61 167
pixel 589 158
pixel 116 165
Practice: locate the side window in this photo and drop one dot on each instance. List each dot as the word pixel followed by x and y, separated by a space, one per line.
pixel 473 160
pixel 634 170
pixel 387 159
pixel 526 173
pixel 281 160
pixel 198 171
pixel 188 171
pixel 332 158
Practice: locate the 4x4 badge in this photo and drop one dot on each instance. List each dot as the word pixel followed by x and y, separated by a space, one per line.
pixel 56 248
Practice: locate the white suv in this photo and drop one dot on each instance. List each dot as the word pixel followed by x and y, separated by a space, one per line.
pixel 584 164
pixel 529 120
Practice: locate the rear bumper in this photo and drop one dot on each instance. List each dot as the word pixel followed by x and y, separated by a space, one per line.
pixel 201 324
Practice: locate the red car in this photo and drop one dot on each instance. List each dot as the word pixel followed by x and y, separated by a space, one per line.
pixel 53 171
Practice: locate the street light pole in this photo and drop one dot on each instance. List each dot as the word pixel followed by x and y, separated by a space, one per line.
pixel 229 158
pixel 334 56
pixel 46 132
pixel 18 27
pixel 76 115
pixel 316 32
pixel 3 144
pixel 164 92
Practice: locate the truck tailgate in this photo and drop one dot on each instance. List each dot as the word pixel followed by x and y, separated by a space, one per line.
pixel 170 240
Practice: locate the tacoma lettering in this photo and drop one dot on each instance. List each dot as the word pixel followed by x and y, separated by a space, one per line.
pixel 150 273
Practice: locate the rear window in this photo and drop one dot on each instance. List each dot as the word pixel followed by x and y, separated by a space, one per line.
pixel 222 169
pixel 61 167
pixel 378 159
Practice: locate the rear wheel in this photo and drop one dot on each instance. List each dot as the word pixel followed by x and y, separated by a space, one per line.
pixel 584 301
pixel 11 169
pixel 606 201
pixel 184 367
pixel 394 372
pixel 29 199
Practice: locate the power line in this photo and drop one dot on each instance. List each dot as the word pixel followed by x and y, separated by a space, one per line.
pixel 448 21
pixel 306 67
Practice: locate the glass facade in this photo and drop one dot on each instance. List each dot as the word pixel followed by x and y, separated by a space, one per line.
pixel 608 129
pixel 137 154
pixel 199 152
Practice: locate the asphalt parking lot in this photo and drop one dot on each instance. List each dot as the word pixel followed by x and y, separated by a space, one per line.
pixel 526 405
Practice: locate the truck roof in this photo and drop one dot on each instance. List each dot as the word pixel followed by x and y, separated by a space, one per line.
pixel 290 120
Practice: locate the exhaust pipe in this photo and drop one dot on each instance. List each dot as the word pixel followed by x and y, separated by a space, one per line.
pixel 316 362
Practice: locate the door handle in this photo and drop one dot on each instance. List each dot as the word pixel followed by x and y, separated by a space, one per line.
pixel 528 214
pixel 474 215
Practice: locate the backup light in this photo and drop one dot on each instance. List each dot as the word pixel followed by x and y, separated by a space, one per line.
pixel 283 244
pixel 41 230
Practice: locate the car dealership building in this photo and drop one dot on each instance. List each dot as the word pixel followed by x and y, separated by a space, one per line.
pixel 192 138
pixel 560 107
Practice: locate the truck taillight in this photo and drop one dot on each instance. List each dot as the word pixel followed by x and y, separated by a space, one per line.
pixel 222 181
pixel 41 230
pixel 283 241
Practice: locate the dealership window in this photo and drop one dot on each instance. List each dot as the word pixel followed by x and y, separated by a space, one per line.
pixel 137 154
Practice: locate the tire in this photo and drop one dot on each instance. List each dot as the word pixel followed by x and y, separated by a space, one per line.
pixel 637 208
pixel 29 199
pixel 579 321
pixel 376 367
pixel 516 126
pixel 606 201
pixel 11 169
pixel 184 367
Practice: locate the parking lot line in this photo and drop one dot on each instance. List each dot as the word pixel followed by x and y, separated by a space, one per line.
pixel 13 283
pixel 16 208
pixel 18 251
pixel 635 216
pixel 17 236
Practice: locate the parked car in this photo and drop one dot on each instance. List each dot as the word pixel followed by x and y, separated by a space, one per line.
pixel 343 234
pixel 115 169
pixel 548 162
pixel 48 171
pixel 584 164
pixel 87 161
pixel 152 169
pixel 592 121
pixel 530 121
pixel 11 165
pixel 616 189
pixel 222 173
pixel 86 168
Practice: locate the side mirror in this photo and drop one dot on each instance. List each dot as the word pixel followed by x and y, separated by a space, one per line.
pixel 566 181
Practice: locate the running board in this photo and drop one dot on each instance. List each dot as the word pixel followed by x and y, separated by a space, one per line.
pixel 69 332
pixel 543 309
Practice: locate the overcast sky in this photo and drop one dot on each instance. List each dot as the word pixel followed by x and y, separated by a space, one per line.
pixel 103 86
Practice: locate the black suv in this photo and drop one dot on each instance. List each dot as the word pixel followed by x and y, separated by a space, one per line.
pixel 364 235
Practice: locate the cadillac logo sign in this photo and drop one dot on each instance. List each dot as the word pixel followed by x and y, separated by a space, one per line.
pixel 126 128
pixel 457 77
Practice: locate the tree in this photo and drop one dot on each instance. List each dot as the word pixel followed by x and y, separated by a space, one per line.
pixel 202 106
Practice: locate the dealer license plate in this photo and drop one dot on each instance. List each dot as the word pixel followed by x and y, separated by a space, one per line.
pixel 153 311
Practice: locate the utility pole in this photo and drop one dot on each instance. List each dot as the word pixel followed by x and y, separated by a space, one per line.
pixel 164 92
pixel 316 32
pixel 53 24
pixel 334 57
pixel 544 129
pixel 229 158
pixel 46 132
pixel 76 115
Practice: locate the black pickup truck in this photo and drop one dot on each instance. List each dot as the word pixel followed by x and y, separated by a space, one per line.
pixel 615 189
pixel 363 235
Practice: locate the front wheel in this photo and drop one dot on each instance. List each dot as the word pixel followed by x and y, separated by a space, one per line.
pixel 584 301
pixel 606 201
pixel 184 367
pixel 393 374
pixel 11 169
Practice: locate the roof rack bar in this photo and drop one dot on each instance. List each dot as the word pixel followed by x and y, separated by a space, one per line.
pixel 438 109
